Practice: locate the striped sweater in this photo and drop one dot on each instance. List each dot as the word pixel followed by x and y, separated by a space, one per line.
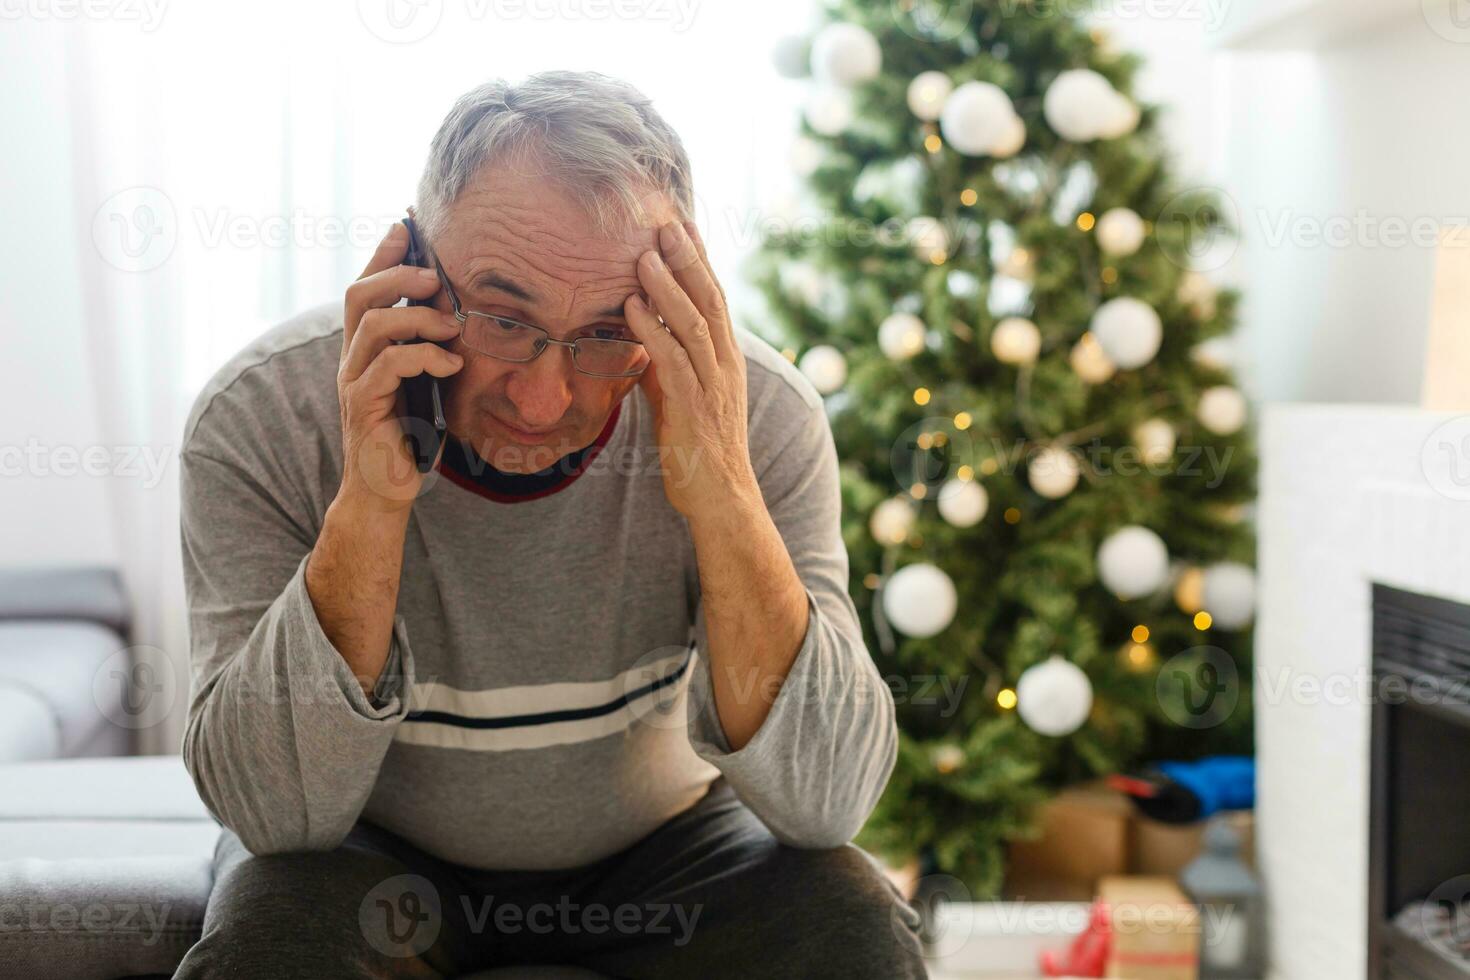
pixel 546 701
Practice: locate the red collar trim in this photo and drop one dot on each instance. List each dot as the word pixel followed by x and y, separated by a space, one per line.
pixel 465 483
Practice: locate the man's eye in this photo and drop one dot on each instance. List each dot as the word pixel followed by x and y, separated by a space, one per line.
pixel 509 326
pixel 609 333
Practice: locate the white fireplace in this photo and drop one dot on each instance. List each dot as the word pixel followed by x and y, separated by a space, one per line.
pixel 1350 495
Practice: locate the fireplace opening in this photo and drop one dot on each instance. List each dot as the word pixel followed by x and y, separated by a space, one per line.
pixel 1419 816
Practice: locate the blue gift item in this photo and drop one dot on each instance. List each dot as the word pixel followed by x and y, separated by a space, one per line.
pixel 1182 792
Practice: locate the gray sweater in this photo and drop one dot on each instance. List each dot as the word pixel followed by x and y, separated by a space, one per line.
pixel 546 700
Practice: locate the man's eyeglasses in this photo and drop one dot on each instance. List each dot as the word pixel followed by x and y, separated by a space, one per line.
pixel 511 340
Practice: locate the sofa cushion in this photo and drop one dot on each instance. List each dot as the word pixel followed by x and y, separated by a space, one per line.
pixel 81 594
pixel 67 664
pixel 140 806
pixel 105 867
pixel 100 919
pixel 28 726
pixel 144 787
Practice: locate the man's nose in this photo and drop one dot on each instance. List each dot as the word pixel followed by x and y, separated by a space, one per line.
pixel 542 389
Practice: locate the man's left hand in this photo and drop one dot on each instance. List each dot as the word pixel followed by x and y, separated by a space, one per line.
pixel 696 378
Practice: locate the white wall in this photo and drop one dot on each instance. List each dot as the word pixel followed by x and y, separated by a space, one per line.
pixel 1340 151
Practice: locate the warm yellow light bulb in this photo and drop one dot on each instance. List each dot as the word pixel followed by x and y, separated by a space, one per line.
pixel 1203 620
pixel 1140 634
pixel 966 473
pixel 932 143
pixel 962 421
pixel 1006 699
pixel 921 396
pixel 968 196
pixel 1086 220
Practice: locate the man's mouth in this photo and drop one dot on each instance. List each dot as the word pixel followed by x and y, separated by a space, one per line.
pixel 522 435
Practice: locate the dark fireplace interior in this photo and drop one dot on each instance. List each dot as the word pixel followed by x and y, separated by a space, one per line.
pixel 1419 821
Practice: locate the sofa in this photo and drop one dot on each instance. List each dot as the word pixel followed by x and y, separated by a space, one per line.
pixel 65 665
pixel 105 861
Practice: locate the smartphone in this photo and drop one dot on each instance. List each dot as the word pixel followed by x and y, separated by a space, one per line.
pixel 422 400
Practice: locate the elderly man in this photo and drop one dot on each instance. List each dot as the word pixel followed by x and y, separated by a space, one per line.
pixel 591 690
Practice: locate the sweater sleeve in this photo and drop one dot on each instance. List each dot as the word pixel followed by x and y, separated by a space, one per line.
pixel 815 768
pixel 281 742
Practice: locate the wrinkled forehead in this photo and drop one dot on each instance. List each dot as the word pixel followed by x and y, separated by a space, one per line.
pixel 531 231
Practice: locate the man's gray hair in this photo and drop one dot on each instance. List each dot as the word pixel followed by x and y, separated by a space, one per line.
pixel 598 136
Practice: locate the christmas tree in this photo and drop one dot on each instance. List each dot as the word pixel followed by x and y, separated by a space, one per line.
pixel 1046 468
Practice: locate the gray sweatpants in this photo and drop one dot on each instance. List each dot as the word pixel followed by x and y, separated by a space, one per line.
pixel 710 893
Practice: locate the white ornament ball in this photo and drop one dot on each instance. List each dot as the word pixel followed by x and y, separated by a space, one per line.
pixel 920 600
pixel 977 118
pixel 892 521
pixel 928 237
pixel 805 156
pixel 1198 293
pixel 1120 232
pixel 1090 362
pixel 825 367
pixel 1011 140
pixel 1133 562
pixel 1217 354
pixel 790 56
pixel 927 93
pixel 963 503
pixel 828 110
pixel 1015 340
pixel 1078 104
pixel 901 336
pixel 1129 331
pixel 948 758
pixel 845 54
pixel 1222 410
pixel 1155 439
pixel 1120 117
pixel 1053 472
pixel 1230 594
pixel 1054 697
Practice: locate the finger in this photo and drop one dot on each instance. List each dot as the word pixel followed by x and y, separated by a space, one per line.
pixel 688 324
pixel 382 289
pixel 386 373
pixel 692 230
pixel 390 251
pixel 381 327
pixel 694 275
pixel 675 370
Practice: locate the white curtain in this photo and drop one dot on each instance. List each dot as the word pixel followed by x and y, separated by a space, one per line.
pixel 182 175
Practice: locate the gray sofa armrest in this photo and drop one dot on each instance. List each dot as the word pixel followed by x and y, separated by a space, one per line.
pixel 91 594
pixel 100 919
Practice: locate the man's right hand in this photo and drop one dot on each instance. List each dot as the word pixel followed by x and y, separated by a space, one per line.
pixel 378 471
pixel 353 573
